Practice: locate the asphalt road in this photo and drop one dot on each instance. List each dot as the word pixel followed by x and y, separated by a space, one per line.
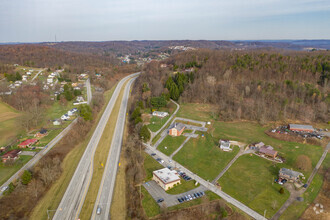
pixel 205 183
pixel 73 199
pixel 89 91
pixel 106 190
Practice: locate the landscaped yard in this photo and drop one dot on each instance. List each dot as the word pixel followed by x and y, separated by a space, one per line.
pixel 150 165
pixel 251 180
pixel 297 208
pixel 171 144
pixel 183 187
pixel 7 171
pixel 156 123
pixel 203 156
pixel 249 132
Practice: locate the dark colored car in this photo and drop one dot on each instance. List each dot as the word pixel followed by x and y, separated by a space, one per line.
pixel 284 181
pixel 199 195
pixel 160 200
pixel 153 154
pixel 305 185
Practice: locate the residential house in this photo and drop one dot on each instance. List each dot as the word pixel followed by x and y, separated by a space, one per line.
pixel 80 99
pixel 49 80
pixel 159 114
pixel 70 112
pixel 257 146
pixel 28 143
pixel 57 122
pixel 290 175
pixel 65 117
pixel 166 178
pixel 176 129
pixel 225 145
pixel 43 132
pixel 303 128
pixel 12 155
pixel 24 77
pixel 163 65
pixel 268 151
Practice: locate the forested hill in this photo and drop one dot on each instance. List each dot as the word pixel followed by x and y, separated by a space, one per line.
pixel 261 86
pixel 43 56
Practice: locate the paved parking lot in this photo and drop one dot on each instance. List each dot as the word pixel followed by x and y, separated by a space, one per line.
pixel 169 200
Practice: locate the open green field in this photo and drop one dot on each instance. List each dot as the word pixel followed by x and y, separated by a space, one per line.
pixel 250 180
pixel 171 144
pixel 249 132
pixel 7 171
pixel 150 165
pixel 57 110
pixel 54 195
pixel 203 156
pixel 196 111
pixel 183 187
pixel 150 206
pixel 8 123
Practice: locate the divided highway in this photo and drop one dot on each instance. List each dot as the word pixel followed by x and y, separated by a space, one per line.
pixel 105 194
pixel 73 199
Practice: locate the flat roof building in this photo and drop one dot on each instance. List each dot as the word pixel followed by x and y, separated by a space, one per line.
pixel 297 127
pixel 166 178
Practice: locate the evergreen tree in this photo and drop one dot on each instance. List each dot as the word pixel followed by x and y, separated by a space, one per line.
pixel 26 177
pixel 145 133
pixel 85 112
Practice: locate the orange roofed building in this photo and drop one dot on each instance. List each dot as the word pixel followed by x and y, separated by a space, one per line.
pixel 176 129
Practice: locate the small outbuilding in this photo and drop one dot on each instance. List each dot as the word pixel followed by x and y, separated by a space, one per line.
pixel 268 151
pixel 159 114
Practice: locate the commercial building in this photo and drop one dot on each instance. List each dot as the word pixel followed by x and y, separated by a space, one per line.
pixel 166 178
pixel 176 129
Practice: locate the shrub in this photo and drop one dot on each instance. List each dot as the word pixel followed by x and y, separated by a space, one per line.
pixel 26 177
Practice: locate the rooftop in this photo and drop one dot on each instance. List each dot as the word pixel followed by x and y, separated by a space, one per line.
pixel 304 127
pixel 289 172
pixel 27 142
pixel 11 154
pixel 178 126
pixel 167 175
pixel 267 150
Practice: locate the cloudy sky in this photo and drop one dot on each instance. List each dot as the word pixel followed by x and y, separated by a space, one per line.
pixel 101 20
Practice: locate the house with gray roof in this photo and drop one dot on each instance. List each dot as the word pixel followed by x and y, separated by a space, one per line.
pixel 176 129
pixel 290 175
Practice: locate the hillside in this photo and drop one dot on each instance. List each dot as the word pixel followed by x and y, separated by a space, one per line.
pixel 8 126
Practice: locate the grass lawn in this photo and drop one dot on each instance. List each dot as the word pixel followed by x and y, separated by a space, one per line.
pixel 156 122
pixel 51 135
pixel 150 164
pixel 203 156
pixel 7 171
pixel 8 123
pixel 53 196
pixel 100 157
pixel 171 143
pixel 250 180
pixel 57 110
pixel 297 208
pixel 183 187
pixel 150 206
pixel 249 132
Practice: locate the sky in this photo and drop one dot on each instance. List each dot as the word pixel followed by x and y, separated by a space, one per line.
pixel 106 20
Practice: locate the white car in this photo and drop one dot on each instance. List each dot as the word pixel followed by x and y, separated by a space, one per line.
pixel 4 188
pixel 162 161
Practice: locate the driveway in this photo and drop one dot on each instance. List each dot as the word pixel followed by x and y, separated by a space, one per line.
pixel 28 153
pixel 169 200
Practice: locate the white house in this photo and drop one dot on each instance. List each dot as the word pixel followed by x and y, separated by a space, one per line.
pixel 24 77
pixel 28 73
pixel 49 80
pixel 70 113
pixel 80 99
pixel 65 117
pixel 56 122
pixel 225 145
pixel 160 114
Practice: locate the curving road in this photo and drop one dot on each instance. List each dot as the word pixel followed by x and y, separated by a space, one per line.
pixel 73 199
pixel 105 194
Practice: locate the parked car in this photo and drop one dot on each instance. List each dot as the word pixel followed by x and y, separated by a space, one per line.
pixel 160 200
pixel 202 193
pixel 161 161
pixel 199 195
pixel 305 186
pixel 153 154
pixel 189 196
pixel 180 201
pixel 158 159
